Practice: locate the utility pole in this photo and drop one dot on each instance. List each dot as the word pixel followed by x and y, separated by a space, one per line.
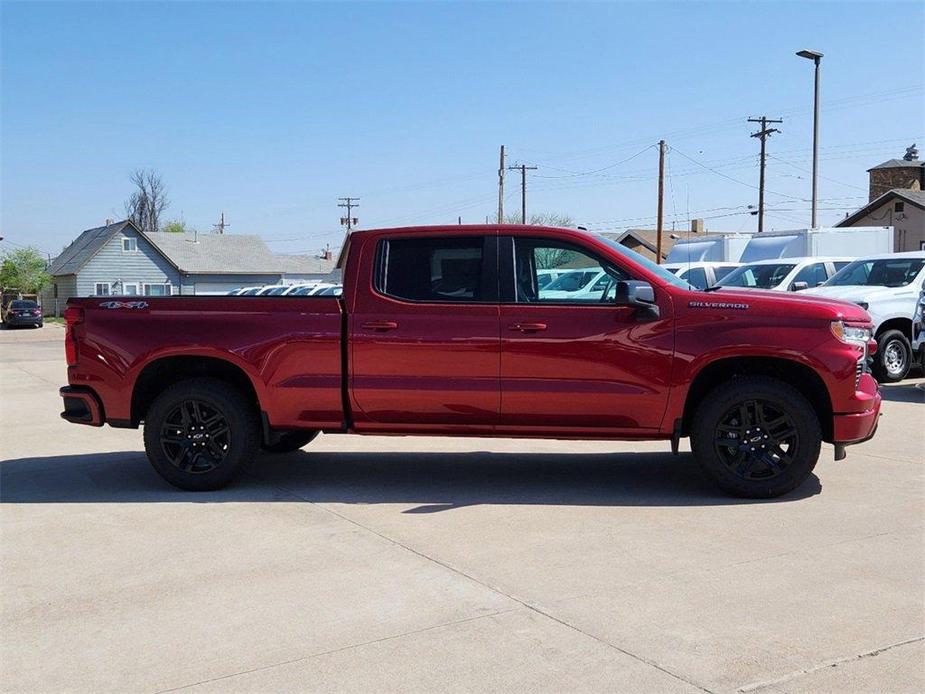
pixel 501 188
pixel 523 168
pixel 221 226
pixel 349 221
pixel 661 198
pixel 763 135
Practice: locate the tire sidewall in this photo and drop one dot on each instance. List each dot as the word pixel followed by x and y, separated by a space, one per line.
pixel 241 422
pixel 884 342
pixel 780 395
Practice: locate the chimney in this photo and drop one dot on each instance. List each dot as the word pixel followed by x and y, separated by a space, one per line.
pixel 108 221
pixel 698 226
pixel 326 253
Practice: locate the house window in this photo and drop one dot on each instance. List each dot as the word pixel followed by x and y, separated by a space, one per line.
pixel 130 289
pixel 129 245
pixel 899 206
pixel 156 289
pixel 102 289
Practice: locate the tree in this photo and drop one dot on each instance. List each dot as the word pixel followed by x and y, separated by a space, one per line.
pixel 547 258
pixel 24 269
pixel 148 202
pixel 177 226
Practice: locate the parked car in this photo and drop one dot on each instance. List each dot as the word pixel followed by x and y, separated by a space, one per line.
pixel 888 288
pixel 273 290
pixel 334 290
pixel 918 330
pixel 442 331
pixel 784 274
pixel 20 312
pixel 578 284
pixel 701 274
pixel 311 289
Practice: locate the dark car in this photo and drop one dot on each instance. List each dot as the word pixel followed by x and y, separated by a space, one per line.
pixel 22 312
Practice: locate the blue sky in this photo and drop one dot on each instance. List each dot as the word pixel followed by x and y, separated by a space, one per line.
pixel 270 111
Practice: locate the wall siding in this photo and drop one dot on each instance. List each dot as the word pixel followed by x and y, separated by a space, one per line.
pixel 67 287
pixel 112 265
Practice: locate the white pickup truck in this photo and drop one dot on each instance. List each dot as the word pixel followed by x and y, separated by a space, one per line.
pixel 888 287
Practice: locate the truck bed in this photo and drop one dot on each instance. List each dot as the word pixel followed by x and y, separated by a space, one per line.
pixel 289 348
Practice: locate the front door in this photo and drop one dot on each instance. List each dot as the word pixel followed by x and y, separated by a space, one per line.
pixel 424 338
pixel 570 358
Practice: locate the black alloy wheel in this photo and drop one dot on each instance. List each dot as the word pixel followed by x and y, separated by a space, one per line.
pixel 195 437
pixel 756 440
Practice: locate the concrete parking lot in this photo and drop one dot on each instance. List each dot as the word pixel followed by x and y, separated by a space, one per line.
pixel 423 564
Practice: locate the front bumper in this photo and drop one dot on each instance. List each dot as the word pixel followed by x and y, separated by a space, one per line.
pixel 855 427
pixel 81 406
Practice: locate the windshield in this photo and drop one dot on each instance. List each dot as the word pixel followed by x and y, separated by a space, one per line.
pixel 23 304
pixel 667 275
pixel 757 276
pixel 889 272
pixel 573 281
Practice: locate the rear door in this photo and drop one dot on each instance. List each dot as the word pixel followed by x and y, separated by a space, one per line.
pixel 579 363
pixel 424 337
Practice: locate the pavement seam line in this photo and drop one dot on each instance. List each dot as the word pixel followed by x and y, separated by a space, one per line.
pixel 757 686
pixel 336 650
pixel 492 588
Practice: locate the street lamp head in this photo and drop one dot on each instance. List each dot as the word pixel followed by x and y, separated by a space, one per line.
pixel 811 55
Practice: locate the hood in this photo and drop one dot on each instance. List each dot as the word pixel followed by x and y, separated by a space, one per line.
pixel 797 304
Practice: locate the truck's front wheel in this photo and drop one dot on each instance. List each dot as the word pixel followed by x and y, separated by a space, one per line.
pixel 199 434
pixel 756 437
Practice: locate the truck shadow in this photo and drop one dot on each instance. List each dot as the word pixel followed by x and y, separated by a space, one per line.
pixel 429 482
pixel 903 392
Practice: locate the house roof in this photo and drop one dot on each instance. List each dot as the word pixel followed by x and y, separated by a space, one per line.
pixel 195 253
pixel 914 197
pixel 898 164
pixel 84 247
pixel 649 237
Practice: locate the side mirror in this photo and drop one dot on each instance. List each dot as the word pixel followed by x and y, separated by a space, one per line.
pixel 799 286
pixel 639 295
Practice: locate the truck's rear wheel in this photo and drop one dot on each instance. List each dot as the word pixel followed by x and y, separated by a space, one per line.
pixel 200 433
pixel 893 358
pixel 290 441
pixel 756 437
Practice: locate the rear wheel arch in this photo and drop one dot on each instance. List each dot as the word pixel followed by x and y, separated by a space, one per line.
pixel 793 373
pixel 164 372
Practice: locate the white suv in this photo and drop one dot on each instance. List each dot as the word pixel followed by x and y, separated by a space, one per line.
pixel 888 287
pixel 784 274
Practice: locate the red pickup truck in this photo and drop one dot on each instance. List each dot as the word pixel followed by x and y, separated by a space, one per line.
pixel 494 330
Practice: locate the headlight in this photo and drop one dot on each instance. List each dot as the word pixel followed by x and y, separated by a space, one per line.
pixel 850 333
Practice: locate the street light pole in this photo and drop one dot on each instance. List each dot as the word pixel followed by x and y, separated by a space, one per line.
pixel 816 57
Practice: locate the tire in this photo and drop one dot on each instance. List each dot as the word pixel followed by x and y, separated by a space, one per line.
pixel 894 357
pixel 290 441
pixel 200 433
pixel 768 413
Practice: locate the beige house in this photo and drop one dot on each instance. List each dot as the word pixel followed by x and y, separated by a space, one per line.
pixel 904 210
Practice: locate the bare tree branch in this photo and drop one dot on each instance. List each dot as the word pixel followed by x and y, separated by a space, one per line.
pixel 145 206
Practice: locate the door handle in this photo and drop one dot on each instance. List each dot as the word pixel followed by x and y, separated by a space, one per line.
pixel 380 325
pixel 528 327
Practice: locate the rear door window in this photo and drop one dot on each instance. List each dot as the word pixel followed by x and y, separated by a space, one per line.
pixel 433 269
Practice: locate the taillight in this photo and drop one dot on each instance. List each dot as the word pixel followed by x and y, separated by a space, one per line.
pixel 73 316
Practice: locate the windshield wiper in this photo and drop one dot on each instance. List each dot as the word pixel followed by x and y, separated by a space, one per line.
pixel 712 288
